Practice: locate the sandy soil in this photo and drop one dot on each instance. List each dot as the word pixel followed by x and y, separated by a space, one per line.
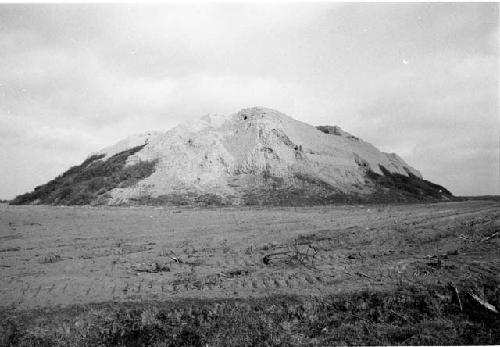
pixel 65 255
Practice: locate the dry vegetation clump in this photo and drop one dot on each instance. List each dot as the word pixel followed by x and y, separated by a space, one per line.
pixel 294 254
pixel 50 258
pixel 10 249
pixel 405 316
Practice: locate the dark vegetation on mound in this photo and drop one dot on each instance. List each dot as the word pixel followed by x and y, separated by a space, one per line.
pixel 308 190
pixel 335 130
pixel 406 316
pixel 89 182
pixel 187 199
pixel 328 129
pixel 411 186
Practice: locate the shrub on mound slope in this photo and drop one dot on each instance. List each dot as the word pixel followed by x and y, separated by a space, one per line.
pixel 409 186
pixel 85 183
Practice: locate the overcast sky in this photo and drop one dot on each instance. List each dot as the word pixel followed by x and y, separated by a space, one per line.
pixel 420 79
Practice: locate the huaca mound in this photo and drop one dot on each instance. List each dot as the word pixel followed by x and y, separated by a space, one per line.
pixel 257 156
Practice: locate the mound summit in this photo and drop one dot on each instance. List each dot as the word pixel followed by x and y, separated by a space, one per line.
pixel 257 156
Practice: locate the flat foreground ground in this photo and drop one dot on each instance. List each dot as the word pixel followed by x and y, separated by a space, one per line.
pixel 60 256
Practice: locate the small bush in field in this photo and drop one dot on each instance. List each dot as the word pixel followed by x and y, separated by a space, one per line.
pixel 50 258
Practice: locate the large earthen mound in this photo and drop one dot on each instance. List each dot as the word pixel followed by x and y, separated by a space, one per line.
pixel 257 156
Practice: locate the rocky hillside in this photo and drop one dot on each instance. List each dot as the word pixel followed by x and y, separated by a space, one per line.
pixel 257 156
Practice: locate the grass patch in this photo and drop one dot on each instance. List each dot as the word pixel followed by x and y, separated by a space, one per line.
pixel 87 183
pixel 406 316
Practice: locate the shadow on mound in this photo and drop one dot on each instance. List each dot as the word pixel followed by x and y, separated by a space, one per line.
pixel 89 182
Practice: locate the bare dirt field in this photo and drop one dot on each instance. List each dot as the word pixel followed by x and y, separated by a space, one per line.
pixel 55 259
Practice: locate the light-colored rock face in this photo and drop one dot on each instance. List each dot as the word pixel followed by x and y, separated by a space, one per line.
pixel 226 155
pixel 127 143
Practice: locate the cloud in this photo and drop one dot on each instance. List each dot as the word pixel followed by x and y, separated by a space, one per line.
pixel 75 78
pixel 447 111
